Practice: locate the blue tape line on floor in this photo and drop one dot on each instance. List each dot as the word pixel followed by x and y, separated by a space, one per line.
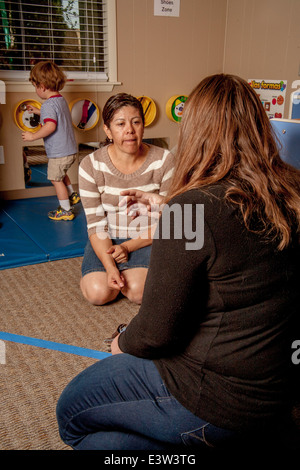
pixel 54 346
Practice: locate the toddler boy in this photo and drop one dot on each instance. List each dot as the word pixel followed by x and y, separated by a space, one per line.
pixel 58 134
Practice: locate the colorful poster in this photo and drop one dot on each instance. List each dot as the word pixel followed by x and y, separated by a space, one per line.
pixel 272 95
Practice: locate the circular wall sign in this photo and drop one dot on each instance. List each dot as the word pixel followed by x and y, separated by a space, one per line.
pixel 174 107
pixel 25 119
pixel 85 114
pixel 149 108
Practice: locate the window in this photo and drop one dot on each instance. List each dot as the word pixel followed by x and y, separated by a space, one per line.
pixel 75 34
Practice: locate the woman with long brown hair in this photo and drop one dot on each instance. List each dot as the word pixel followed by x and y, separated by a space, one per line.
pixel 226 136
pixel 208 356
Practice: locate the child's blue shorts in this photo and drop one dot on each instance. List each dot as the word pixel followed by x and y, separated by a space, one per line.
pixel 137 259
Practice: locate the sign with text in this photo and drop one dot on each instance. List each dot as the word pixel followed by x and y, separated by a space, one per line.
pixel 272 95
pixel 166 7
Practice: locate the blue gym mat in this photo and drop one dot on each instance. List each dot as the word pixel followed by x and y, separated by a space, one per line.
pixel 38 176
pixel 28 236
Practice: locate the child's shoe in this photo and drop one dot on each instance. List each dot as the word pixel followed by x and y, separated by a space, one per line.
pixel 27 174
pixel 61 214
pixel 74 198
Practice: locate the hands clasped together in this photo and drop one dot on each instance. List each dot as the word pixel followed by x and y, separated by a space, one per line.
pixel 137 203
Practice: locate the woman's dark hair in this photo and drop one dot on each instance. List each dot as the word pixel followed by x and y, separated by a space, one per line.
pixel 226 136
pixel 118 101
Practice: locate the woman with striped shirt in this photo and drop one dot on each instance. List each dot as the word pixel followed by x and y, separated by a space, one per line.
pixel 117 253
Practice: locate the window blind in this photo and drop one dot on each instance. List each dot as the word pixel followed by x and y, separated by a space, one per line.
pixel 71 33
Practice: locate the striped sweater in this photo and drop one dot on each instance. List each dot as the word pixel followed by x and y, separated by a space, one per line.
pixel 100 184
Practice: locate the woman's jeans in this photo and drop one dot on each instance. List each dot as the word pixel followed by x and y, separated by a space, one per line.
pixel 122 403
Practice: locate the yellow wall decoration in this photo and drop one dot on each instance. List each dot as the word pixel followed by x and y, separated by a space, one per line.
pixel 149 108
pixel 25 120
pixel 174 107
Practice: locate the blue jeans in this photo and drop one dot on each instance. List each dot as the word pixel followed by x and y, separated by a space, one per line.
pixel 121 403
pixel 137 259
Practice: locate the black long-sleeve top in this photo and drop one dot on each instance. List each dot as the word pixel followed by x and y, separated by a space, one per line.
pixel 219 319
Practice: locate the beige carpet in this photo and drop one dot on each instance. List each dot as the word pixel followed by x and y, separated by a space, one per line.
pixel 44 301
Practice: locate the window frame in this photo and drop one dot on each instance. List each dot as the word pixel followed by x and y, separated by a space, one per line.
pixel 78 81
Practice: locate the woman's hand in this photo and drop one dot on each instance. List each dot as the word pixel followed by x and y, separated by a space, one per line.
pixel 140 203
pixel 115 279
pixel 115 346
pixel 119 253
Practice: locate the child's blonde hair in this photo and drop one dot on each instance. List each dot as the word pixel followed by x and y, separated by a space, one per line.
pixel 48 74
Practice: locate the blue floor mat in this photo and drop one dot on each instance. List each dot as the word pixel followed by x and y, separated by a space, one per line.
pixel 16 248
pixel 28 236
pixel 38 176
